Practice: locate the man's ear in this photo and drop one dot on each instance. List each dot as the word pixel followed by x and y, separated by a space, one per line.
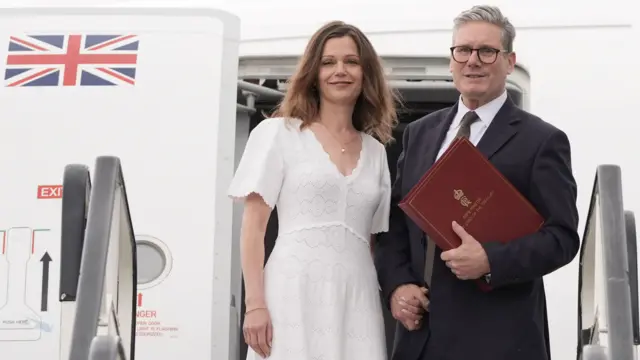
pixel 511 60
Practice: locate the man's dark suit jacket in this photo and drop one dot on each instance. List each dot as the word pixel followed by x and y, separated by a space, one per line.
pixel 510 321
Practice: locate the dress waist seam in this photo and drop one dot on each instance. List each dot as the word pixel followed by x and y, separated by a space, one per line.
pixel 328 224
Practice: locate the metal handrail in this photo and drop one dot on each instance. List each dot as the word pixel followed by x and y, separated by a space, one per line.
pixel 106 348
pixel 606 207
pixel 109 235
pixel 632 253
pixel 260 90
pixel 76 188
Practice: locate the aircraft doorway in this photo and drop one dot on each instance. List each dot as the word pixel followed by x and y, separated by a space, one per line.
pixel 419 99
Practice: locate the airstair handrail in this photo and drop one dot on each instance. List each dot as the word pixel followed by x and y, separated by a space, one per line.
pixel 108 273
pixel 606 209
pixel 76 189
pixel 632 254
pixel 106 348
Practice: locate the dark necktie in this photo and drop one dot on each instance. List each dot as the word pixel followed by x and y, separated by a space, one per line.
pixel 465 124
pixel 464 131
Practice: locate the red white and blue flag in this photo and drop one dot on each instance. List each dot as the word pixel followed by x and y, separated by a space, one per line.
pixel 71 60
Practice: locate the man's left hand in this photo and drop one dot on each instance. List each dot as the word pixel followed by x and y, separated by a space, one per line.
pixel 469 260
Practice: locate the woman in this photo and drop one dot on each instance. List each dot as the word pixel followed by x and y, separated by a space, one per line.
pixel 318 161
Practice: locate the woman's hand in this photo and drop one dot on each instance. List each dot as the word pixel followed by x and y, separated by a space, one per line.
pixel 258 331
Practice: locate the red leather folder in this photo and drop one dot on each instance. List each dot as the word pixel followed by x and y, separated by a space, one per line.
pixel 464 186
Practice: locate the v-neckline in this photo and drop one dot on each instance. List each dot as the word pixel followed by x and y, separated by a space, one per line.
pixel 321 148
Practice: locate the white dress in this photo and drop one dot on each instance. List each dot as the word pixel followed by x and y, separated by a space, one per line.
pixel 321 287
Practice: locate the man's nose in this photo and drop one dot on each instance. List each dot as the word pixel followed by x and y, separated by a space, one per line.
pixel 474 59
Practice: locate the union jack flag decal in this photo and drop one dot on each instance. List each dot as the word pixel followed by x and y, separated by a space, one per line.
pixel 71 60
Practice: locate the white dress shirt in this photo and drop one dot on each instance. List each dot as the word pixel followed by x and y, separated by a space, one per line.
pixel 486 113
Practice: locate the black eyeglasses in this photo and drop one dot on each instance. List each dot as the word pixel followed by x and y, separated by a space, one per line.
pixel 487 55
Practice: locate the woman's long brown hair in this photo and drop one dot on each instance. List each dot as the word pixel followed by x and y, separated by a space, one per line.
pixel 375 110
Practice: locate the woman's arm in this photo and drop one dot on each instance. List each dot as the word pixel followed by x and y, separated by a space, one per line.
pixel 254 223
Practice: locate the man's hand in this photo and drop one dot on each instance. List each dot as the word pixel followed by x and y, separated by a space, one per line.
pixel 469 260
pixel 408 303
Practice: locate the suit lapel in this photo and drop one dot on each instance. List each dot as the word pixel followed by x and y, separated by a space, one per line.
pixel 433 140
pixel 502 128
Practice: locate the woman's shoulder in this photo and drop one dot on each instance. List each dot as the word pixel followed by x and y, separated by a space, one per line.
pixel 277 126
pixel 372 143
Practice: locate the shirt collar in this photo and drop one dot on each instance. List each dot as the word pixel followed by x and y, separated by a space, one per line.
pixel 486 112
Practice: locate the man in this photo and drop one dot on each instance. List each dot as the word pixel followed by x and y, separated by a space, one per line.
pixel 461 322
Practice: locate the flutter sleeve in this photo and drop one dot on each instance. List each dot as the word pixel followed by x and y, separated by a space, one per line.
pixel 261 168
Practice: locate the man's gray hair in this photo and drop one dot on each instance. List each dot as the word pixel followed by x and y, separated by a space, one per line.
pixel 491 15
